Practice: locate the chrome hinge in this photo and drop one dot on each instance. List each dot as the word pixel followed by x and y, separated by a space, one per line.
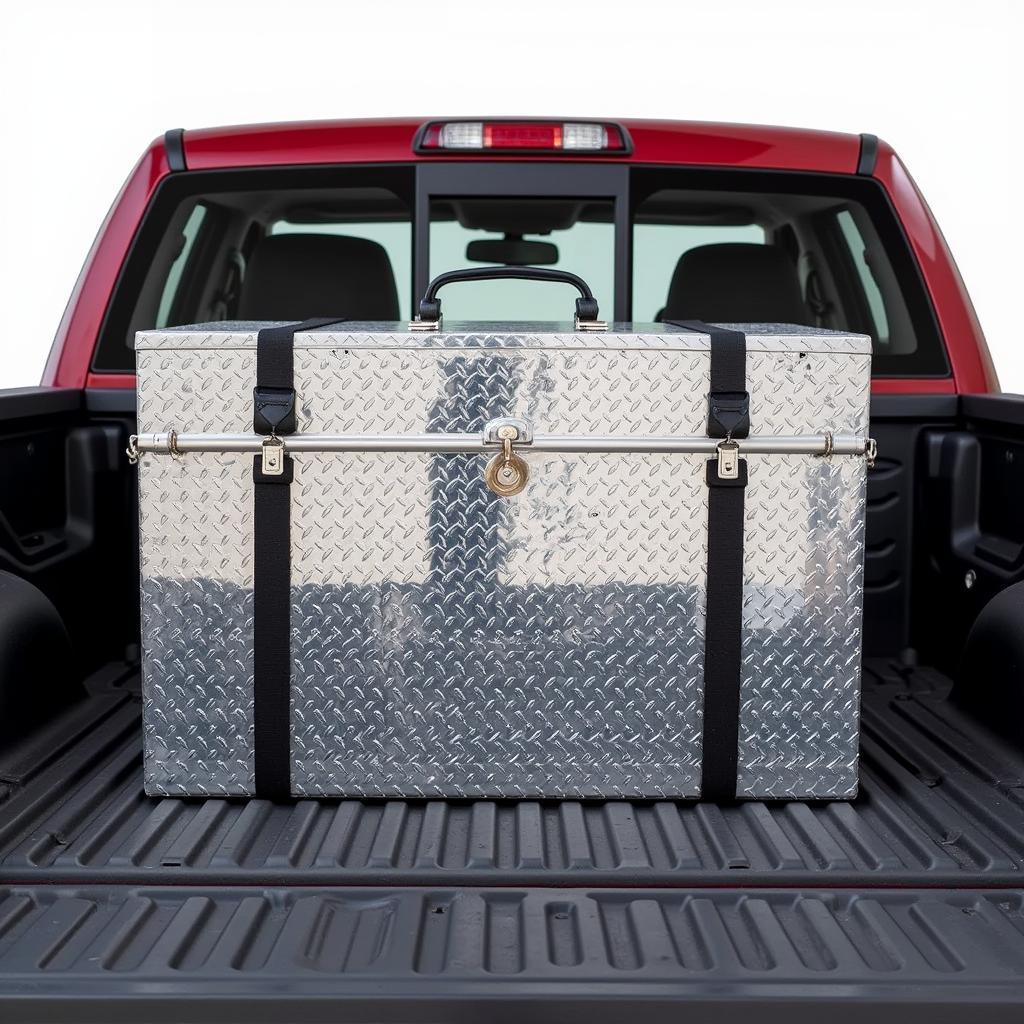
pixel 425 325
pixel 272 452
pixel 728 459
pixel 584 326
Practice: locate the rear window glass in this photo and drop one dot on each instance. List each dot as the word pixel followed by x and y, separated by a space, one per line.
pixel 394 237
pixel 657 249
pixel 170 289
pixel 560 234
pixel 803 256
pixel 675 243
pixel 862 262
pixel 209 249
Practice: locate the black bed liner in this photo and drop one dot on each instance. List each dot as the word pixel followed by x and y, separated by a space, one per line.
pixel 941 804
pixel 174 953
pixel 908 900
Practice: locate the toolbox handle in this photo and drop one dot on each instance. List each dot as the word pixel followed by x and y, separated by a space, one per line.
pixel 586 305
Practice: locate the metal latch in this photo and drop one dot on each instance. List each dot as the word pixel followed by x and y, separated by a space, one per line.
pixel 419 324
pixel 506 474
pixel 728 459
pixel 272 452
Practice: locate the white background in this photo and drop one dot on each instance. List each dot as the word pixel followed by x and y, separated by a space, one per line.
pixel 85 86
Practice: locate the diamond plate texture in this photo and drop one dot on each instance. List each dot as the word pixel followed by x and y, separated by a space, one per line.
pixel 447 642
pixel 197 627
pixel 760 337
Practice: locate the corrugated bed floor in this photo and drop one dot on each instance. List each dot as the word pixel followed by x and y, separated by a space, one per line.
pixel 941 804
pixel 108 953
pixel 904 905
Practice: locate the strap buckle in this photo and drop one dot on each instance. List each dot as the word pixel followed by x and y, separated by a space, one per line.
pixel 273 410
pixel 272 456
pixel 728 459
pixel 729 413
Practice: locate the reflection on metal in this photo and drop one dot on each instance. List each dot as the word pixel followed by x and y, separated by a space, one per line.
pixel 762 444
pixel 449 642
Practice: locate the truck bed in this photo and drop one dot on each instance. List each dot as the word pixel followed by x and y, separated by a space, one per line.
pixel 942 803
pixel 367 905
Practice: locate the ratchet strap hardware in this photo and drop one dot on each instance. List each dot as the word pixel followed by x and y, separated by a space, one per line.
pixel 728 459
pixel 272 454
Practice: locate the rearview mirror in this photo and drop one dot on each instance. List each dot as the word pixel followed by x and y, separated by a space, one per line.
pixel 512 251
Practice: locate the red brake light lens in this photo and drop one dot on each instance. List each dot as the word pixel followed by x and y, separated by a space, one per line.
pixel 522 136
pixel 431 138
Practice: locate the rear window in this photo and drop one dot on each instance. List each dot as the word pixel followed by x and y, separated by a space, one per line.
pixel 394 236
pixel 172 282
pixel 664 243
pixel 795 249
pixel 870 291
pixel 563 234
pixel 657 248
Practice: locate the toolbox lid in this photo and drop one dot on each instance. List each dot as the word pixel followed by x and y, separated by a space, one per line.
pixel 503 334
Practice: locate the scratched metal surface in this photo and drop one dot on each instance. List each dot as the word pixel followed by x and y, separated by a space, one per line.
pixel 450 643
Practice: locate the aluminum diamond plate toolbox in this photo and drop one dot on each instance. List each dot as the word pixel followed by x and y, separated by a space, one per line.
pixel 447 640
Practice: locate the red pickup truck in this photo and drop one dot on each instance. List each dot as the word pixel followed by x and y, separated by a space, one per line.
pixel 905 904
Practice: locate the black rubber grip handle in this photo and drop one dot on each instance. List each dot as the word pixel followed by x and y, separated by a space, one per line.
pixel 430 304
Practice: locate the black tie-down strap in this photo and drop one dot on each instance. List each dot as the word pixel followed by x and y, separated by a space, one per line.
pixel 273 414
pixel 273 410
pixel 728 418
pixel 722 633
pixel 728 398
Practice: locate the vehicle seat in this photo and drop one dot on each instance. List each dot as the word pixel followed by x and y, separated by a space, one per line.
pixel 297 277
pixel 736 282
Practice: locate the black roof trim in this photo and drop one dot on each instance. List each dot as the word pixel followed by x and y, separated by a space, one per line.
pixel 868 154
pixel 174 144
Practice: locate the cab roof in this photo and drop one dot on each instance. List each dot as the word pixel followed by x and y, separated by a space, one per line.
pixel 693 143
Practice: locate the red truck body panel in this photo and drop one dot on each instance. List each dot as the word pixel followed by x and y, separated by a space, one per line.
pixel 391 141
pixel 654 142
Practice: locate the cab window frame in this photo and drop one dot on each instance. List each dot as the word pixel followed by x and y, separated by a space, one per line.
pixel 628 185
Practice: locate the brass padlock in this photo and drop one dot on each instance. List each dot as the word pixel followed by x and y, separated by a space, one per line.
pixel 506 474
